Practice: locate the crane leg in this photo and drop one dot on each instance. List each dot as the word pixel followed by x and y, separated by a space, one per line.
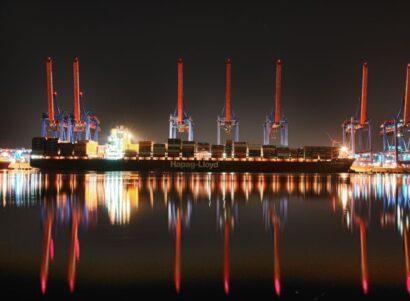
pixel 237 131
pixel 218 132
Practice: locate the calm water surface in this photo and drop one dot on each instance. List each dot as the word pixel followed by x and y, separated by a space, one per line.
pixel 190 236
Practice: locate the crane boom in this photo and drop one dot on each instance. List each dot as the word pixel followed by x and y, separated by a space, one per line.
pixel 407 97
pixel 50 90
pixel 180 91
pixel 228 92
pixel 364 96
pixel 76 90
pixel 278 90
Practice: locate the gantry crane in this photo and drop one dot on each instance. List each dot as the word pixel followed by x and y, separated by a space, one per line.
pixel 227 121
pixel 52 122
pixel 180 121
pixel 357 132
pixel 81 123
pixel 396 142
pixel 275 128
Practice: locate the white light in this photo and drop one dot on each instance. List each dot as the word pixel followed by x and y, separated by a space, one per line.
pixel 119 139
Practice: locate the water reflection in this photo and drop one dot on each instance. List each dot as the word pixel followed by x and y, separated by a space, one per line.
pixel 19 189
pixel 68 200
pixel 179 214
pixel 275 213
pixel 60 207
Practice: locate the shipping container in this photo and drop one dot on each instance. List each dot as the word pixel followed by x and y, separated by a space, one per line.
pixel 254 150
pixel 66 149
pixel 269 151
pixel 174 141
pixel 228 148
pixel 203 146
pixel 51 147
pixel 145 144
pixel 240 149
pixel 174 148
pixel 282 152
pixel 188 153
pixel 91 148
pixel 159 150
pixel 145 148
pixel 203 150
pixel 80 149
pixel 130 153
pixel 188 149
pixel 101 151
pixel 217 150
pixel 294 153
pixel 132 146
pixel 38 146
pixel 173 153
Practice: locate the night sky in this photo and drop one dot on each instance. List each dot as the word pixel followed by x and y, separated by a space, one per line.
pixel 128 55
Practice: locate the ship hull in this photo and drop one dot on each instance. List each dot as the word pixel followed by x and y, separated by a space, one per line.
pixel 151 165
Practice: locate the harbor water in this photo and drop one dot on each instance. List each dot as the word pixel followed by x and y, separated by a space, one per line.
pixel 204 235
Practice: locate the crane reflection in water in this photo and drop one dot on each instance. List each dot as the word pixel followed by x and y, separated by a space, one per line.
pixel 77 201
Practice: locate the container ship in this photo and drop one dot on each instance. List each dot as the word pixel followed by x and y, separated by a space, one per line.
pixel 184 156
pixel 68 141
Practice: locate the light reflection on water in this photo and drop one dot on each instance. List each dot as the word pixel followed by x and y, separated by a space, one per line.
pixel 70 200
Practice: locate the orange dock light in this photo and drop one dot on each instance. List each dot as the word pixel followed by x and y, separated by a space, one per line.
pixel 407 98
pixel 364 96
pixel 50 92
pixel 180 91
pixel 76 90
pixel 228 92
pixel 278 90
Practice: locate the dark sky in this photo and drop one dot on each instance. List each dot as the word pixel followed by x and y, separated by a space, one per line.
pixel 128 53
